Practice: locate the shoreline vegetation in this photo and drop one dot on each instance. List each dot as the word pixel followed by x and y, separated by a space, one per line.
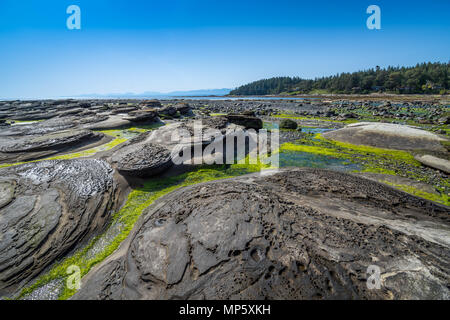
pixel 424 78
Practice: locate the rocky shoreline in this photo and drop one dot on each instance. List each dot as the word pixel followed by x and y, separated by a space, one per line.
pixel 82 174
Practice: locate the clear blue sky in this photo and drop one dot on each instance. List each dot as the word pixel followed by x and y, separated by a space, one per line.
pixel 137 46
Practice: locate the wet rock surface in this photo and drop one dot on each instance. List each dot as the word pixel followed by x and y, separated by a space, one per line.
pixel 300 234
pixel 46 209
pixel 294 234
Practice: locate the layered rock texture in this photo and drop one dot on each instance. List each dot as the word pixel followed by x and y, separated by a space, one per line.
pixel 142 159
pixel 48 208
pixel 294 234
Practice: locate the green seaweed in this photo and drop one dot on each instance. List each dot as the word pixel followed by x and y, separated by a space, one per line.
pixel 119 137
pixel 138 200
pixel 444 199
pixel 373 160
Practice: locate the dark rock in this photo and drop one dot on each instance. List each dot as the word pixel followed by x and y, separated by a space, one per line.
pixel 46 209
pixel 288 124
pixel 141 159
pixel 444 120
pixel 183 108
pixel 152 103
pixel 247 122
pixel 125 109
pixel 54 140
pixel 168 111
pixel 297 234
pixel 250 113
pixel 143 115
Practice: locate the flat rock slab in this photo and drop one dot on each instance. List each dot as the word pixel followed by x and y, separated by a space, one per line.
pixel 289 234
pixel 41 127
pixel 141 159
pixel 434 162
pixel 47 141
pixel 387 135
pixel 113 122
pixel 47 208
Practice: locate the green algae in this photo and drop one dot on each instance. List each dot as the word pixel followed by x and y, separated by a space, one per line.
pixel 325 119
pixel 444 199
pixel 217 114
pixel 371 159
pixel 119 136
pixel 374 160
pixel 138 200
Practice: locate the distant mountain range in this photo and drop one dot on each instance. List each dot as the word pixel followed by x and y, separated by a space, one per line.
pixel 190 93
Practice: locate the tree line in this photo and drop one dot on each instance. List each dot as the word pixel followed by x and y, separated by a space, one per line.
pixel 422 78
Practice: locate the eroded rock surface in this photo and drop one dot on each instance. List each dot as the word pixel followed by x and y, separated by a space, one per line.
pixel 142 159
pixel 46 209
pixel 387 135
pixel 295 234
pixel 47 141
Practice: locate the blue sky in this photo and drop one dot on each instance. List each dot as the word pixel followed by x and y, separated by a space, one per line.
pixel 137 46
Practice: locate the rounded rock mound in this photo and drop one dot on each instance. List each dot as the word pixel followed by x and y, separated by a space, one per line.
pixel 141 159
pixel 291 234
pixel 288 124
pixel 387 135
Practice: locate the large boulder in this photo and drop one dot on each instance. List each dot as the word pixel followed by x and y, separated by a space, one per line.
pixel 294 234
pixel 141 159
pixel 46 209
pixel 248 122
pixel 144 115
pixel 183 108
pixel 434 162
pixel 288 124
pixel 387 135
pixel 152 103
pixel 167 111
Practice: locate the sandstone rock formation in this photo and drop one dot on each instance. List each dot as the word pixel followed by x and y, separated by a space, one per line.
pixel 52 140
pixel 293 234
pixel 434 162
pixel 387 135
pixel 46 209
pixel 141 159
